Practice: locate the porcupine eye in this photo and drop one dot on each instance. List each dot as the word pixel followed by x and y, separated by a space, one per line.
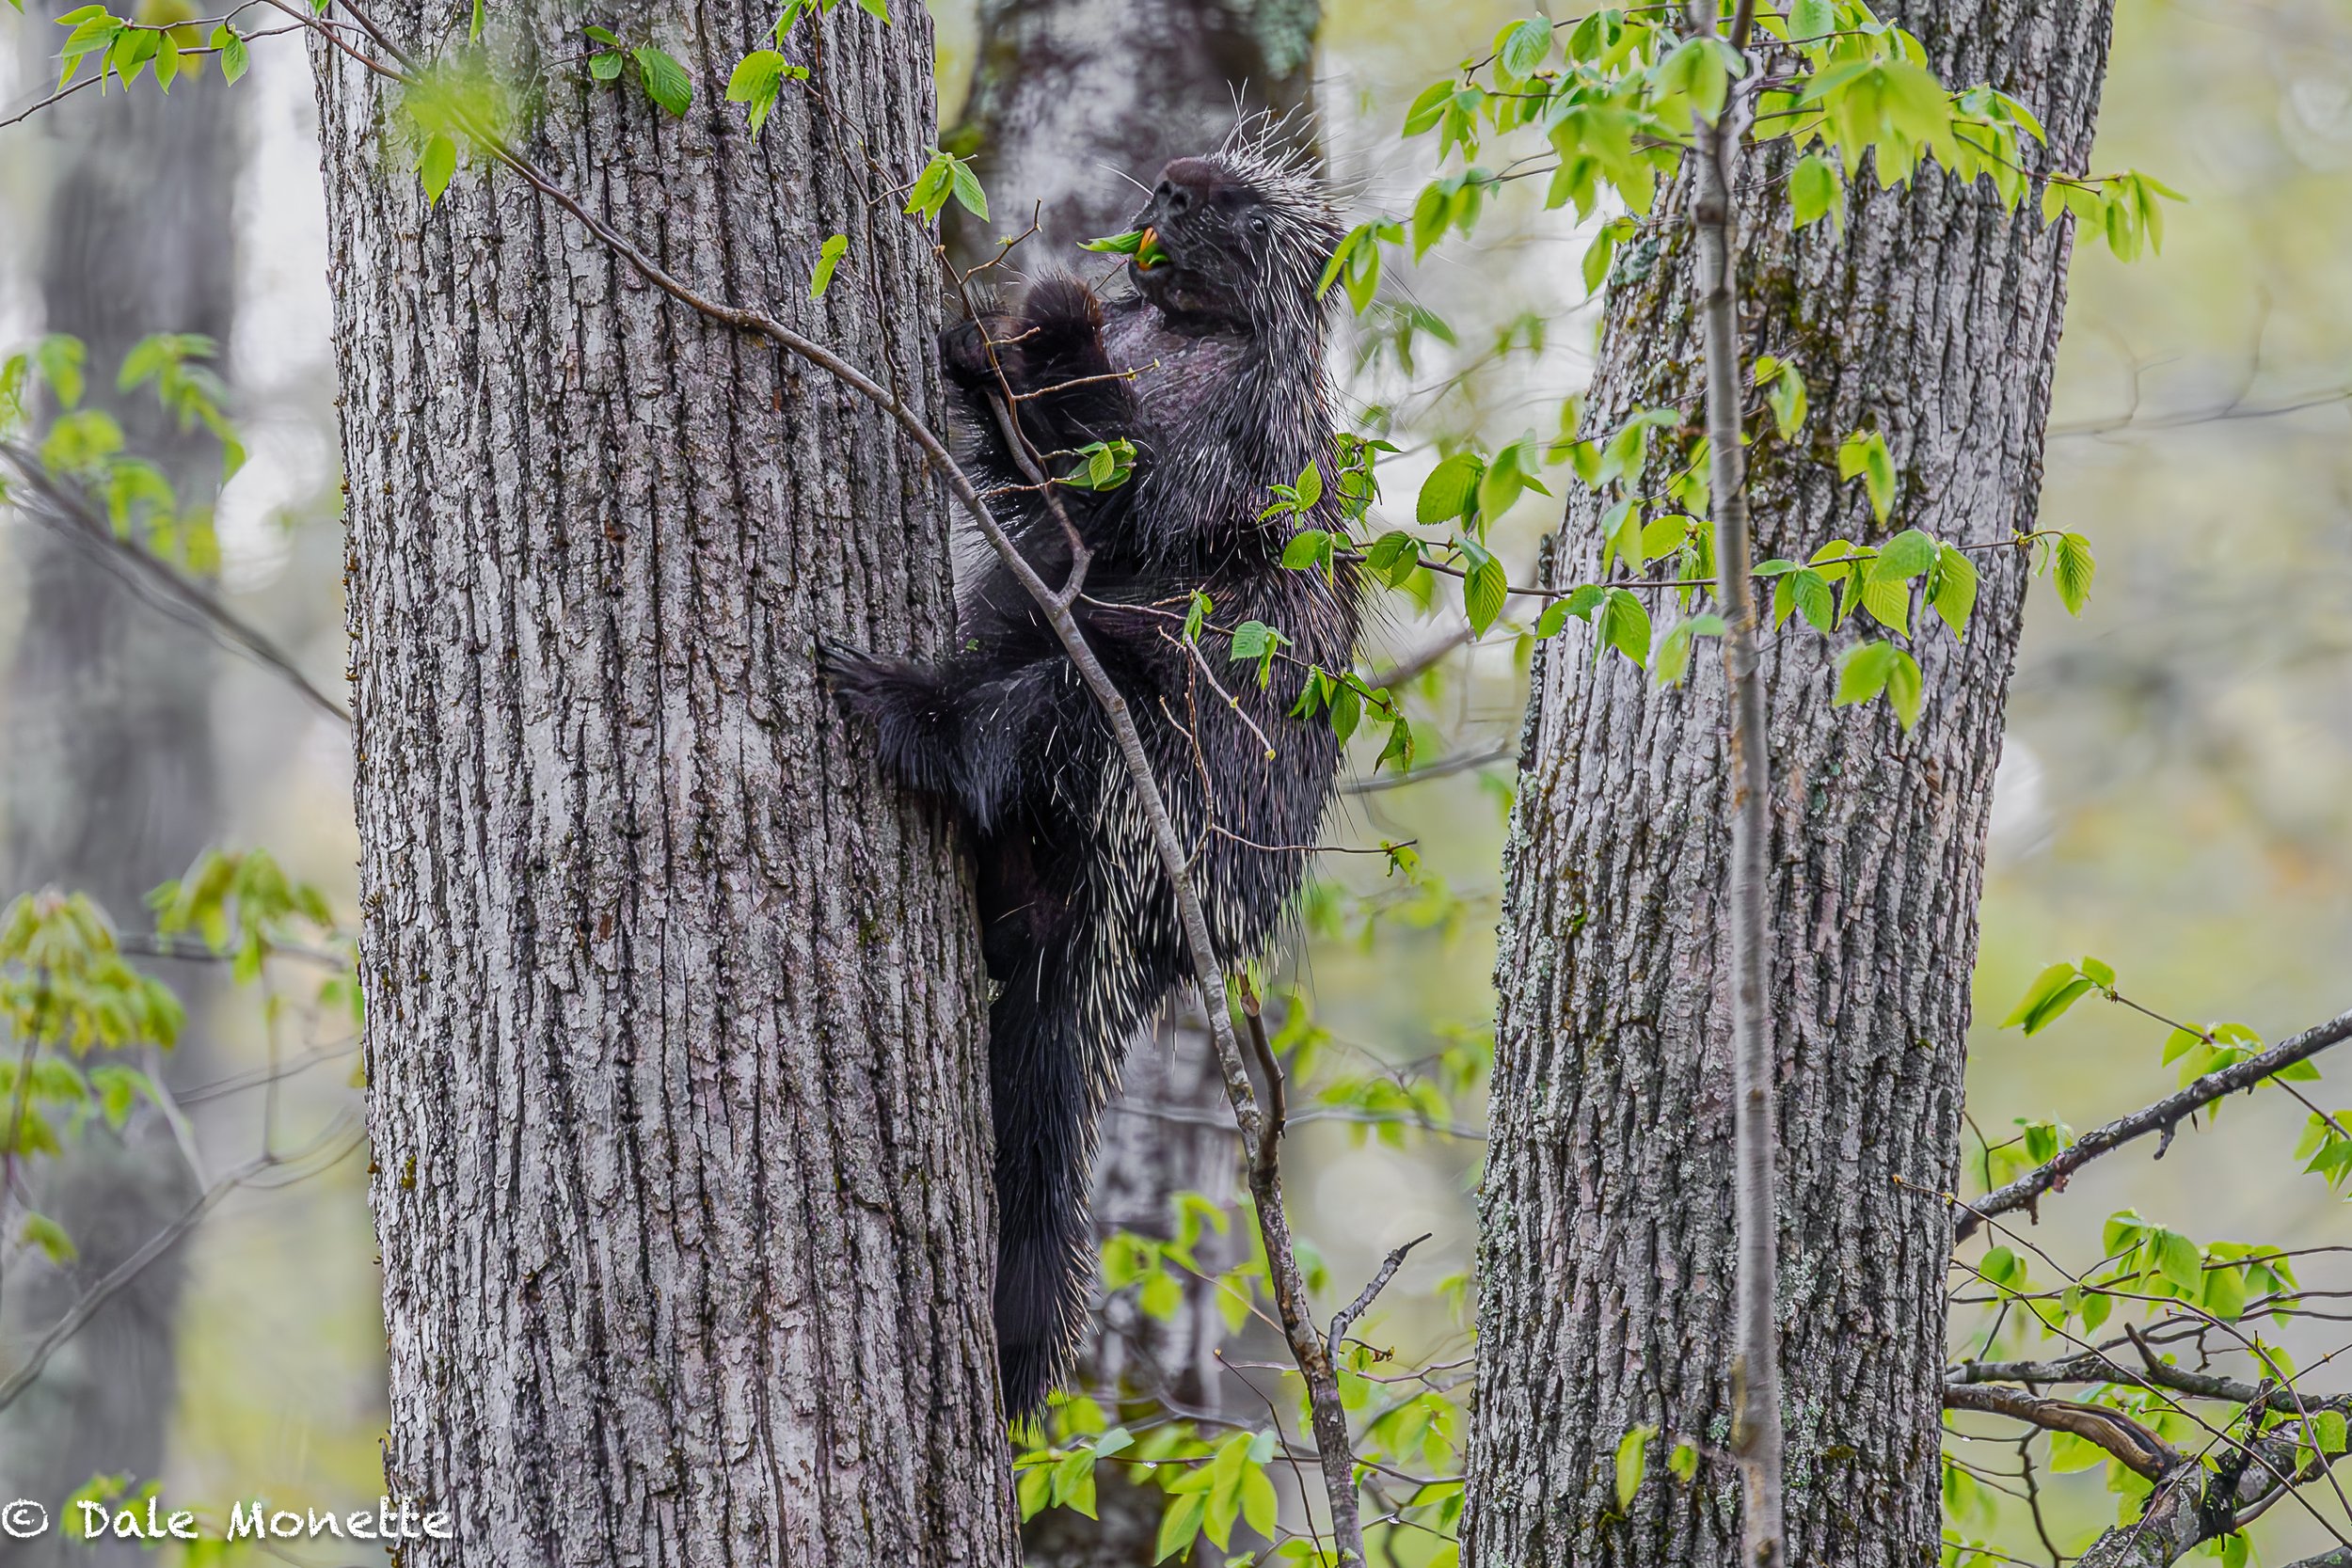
pixel 1257 224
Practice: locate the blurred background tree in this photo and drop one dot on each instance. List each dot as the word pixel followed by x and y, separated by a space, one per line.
pixel 111 787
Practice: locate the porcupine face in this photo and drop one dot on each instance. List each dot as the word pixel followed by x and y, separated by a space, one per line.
pixel 1245 237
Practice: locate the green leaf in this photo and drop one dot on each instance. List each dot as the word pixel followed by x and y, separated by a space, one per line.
pixel 1864 453
pixel 234 58
pixel 966 186
pixel 665 80
pixel 1952 592
pixel 47 1234
pixel 1180 1526
pixel 1309 486
pixel 1811 20
pixel 1602 251
pixel 828 256
pixel 1524 47
pixel 1260 1509
pixel 1632 1459
pixel 1816 190
pixel 2178 1260
pixel 1424 114
pixel 1674 649
pixel 757 78
pixel 1696 69
pixel 1485 588
pixel 1309 547
pixel 878 9
pixel 1904 688
pixel 1903 557
pixel 1394 557
pixel 436 165
pixel 2073 571
pixel 1786 398
pixel 1862 671
pixel 60 358
pixel 2054 989
pixel 473 33
pixel 1683 1463
pixel 1450 489
pixel 605 68
pixel 2225 1295
pixel 1624 625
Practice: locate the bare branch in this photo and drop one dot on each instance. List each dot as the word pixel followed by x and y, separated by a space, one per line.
pixel 344 1130
pixel 1346 1317
pixel 1756 1436
pixel 2133 1445
pixel 68 516
pixel 2160 1118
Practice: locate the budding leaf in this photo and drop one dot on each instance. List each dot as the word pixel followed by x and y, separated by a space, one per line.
pixel 2073 571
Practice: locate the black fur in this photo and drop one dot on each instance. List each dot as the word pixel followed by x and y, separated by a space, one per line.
pixel 1080 931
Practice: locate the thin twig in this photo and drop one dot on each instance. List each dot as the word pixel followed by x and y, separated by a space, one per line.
pixel 1345 1318
pixel 1461 762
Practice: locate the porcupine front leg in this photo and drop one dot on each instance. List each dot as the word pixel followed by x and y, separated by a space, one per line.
pixel 1050 359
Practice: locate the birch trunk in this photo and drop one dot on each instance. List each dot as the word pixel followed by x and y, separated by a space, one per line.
pixel 677 1095
pixel 1607 1258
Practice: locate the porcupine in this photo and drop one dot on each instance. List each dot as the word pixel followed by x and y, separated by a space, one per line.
pixel 1220 340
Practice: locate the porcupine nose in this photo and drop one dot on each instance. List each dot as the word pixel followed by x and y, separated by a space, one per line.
pixel 1185 184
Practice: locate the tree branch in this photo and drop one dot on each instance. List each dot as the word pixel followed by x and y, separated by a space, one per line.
pixel 69 517
pixel 344 1127
pixel 2134 1446
pixel 2162 1116
pixel 1345 1318
pixel 1756 1436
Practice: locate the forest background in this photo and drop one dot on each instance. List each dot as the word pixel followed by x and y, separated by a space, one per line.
pixel 2171 797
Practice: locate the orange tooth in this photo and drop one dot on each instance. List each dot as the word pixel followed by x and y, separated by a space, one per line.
pixel 1151 237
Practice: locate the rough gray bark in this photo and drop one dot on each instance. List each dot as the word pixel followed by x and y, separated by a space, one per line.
pixel 1607 1252
pixel 107 733
pixel 1068 95
pixel 674 1033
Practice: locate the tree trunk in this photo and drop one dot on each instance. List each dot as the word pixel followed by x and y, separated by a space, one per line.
pixel 674 1007
pixel 110 787
pixel 1066 95
pixel 1607 1254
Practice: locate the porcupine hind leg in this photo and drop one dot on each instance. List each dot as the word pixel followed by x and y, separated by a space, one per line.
pixel 985 741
